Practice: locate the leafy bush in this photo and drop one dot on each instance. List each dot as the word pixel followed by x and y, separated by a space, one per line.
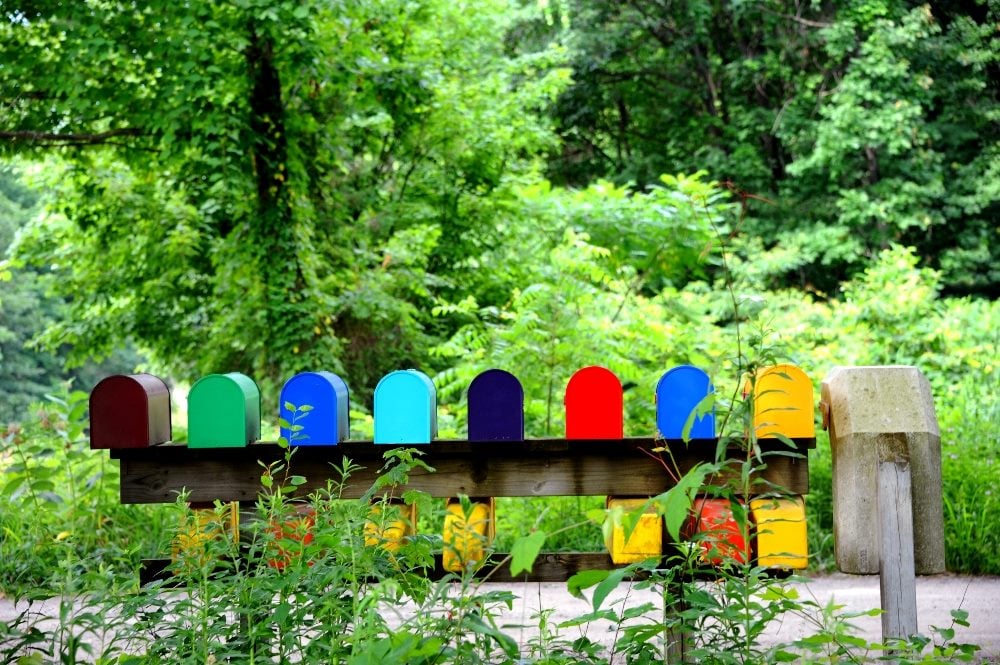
pixel 59 502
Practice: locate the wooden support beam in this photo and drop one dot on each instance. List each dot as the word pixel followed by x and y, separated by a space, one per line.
pixel 537 467
pixel 897 575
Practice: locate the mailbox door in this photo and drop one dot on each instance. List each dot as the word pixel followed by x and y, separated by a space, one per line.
pixel 594 405
pixel 223 411
pixel 782 539
pixel 496 407
pixel 718 533
pixel 783 404
pixel 678 393
pixel 129 412
pixel 325 424
pixel 405 408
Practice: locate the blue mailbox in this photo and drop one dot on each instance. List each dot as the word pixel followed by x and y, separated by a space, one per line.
pixel 496 407
pixel 405 408
pixel 678 392
pixel 325 422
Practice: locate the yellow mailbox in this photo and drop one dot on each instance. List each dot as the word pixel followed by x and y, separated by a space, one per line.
pixel 467 536
pixel 783 403
pixel 390 525
pixel 645 541
pixel 782 540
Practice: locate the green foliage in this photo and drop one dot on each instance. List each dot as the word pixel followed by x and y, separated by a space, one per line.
pixel 28 373
pixel 250 184
pixel 861 123
pixel 59 503
pixel 582 304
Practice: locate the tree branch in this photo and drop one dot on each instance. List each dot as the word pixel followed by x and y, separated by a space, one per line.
pixel 57 139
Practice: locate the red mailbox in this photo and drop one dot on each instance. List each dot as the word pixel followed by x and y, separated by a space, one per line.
pixel 129 411
pixel 719 535
pixel 594 405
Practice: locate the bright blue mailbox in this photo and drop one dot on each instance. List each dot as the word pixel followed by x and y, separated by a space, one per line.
pixel 678 392
pixel 326 421
pixel 405 408
pixel 496 407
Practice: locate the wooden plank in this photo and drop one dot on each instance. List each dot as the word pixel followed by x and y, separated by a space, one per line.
pixel 897 575
pixel 539 467
pixel 549 567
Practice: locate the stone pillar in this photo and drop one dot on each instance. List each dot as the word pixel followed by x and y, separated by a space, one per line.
pixel 882 414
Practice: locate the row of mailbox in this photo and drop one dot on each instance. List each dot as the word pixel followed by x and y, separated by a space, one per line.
pixel 224 410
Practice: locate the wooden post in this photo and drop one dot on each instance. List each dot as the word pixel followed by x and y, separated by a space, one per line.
pixel 897 576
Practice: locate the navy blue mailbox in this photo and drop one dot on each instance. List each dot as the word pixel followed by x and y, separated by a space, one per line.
pixel 496 407
pixel 405 408
pixel 129 411
pixel 322 402
pixel 678 392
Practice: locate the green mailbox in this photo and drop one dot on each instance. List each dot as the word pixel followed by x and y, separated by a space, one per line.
pixel 223 411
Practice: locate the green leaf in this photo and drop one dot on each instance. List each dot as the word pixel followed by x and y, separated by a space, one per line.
pixel 675 503
pixel 607 585
pixel 584 580
pixel 525 551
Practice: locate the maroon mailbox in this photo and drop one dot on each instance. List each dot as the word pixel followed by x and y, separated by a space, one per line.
pixel 129 411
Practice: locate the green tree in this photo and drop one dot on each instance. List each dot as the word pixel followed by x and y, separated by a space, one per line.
pixel 864 123
pixel 266 186
pixel 27 373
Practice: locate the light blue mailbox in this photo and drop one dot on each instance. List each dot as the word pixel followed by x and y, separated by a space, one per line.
pixel 678 393
pixel 405 408
pixel 325 422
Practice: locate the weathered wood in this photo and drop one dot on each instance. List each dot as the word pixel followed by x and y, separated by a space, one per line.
pixel 870 409
pixel 897 575
pixel 539 467
pixel 548 567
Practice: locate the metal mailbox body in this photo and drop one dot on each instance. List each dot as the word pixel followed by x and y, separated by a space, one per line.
pixel 718 533
pixel 646 539
pixel 878 413
pixel 594 405
pixel 678 392
pixel 496 407
pixel 782 538
pixel 783 403
pixel 129 411
pixel 327 423
pixel 223 411
pixel 405 408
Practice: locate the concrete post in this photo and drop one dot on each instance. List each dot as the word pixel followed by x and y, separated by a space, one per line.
pixel 883 414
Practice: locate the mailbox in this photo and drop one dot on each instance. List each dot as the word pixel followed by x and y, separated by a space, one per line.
pixel 327 422
pixel 678 393
pixel 783 403
pixel 467 535
pixel 129 411
pixel 782 538
pixel 646 539
pixel 223 411
pixel 496 407
pixel 390 525
pixel 883 414
pixel 719 535
pixel 594 405
pixel 405 408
